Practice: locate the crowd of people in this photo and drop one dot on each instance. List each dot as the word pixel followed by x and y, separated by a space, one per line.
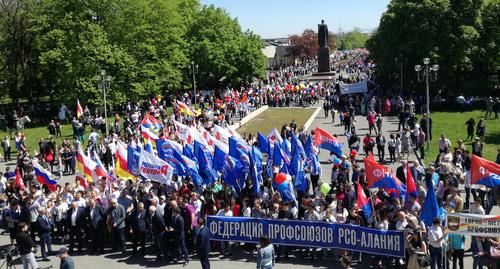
pixel 142 217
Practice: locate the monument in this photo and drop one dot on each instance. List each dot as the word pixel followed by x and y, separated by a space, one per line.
pixel 323 50
pixel 324 70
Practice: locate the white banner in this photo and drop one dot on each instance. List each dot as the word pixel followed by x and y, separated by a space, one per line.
pixel 471 224
pixel 154 168
pixel 354 88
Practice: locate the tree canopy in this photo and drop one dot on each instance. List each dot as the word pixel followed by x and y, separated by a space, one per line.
pixel 461 36
pixel 352 40
pixel 57 48
pixel 305 45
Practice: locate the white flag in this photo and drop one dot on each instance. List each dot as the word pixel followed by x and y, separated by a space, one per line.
pixel 154 168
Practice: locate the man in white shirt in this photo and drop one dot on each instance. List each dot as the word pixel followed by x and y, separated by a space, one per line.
pixel 436 237
pixel 443 143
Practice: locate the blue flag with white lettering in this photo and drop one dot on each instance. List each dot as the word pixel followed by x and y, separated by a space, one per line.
pixel 166 150
pixel 256 169
pixel 312 158
pixel 229 167
pixel 191 167
pixel 205 160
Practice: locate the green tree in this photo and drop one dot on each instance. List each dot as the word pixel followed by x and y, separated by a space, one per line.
pixel 353 40
pixel 220 48
pixel 450 32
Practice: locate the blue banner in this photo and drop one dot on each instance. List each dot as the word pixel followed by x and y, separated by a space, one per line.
pixel 354 88
pixel 308 234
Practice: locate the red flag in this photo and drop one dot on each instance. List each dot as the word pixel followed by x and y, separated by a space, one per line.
pixel 411 187
pixel 19 181
pixel 484 172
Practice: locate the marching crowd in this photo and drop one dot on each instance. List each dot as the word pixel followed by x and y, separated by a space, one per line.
pixel 142 217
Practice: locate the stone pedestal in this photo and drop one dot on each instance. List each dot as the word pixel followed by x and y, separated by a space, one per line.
pixel 324 60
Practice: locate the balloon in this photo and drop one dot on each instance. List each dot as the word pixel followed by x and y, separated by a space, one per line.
pixel 288 178
pixel 325 188
pixel 353 153
pixel 280 178
pixel 283 186
pixel 336 161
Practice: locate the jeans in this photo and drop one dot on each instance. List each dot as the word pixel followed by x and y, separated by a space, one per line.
pixel 458 254
pixel 436 257
pixel 29 261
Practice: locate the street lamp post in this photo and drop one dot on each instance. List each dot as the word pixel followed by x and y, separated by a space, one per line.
pixel 104 83
pixel 194 69
pixel 427 71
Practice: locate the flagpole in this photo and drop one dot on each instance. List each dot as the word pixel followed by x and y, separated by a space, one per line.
pixel 373 206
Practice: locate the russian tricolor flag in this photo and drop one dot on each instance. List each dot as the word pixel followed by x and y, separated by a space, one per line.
pixel 44 177
pixel 364 202
pixel 379 176
pixel 151 123
pixel 148 134
pixel 325 140
pixel 484 172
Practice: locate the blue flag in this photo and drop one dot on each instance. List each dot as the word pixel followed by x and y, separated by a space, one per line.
pixel 280 156
pixel 229 167
pixel 297 146
pixel 205 160
pixel 312 159
pixel 133 156
pixel 430 210
pixel 256 169
pixel 166 150
pixel 263 143
pixel 285 145
pixel 188 150
pixel 190 166
pixel 240 151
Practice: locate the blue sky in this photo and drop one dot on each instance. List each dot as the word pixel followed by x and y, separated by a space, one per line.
pixel 280 18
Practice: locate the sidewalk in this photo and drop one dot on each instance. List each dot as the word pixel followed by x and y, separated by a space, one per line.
pixel 389 125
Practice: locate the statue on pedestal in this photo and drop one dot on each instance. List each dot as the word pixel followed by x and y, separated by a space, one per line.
pixel 324 50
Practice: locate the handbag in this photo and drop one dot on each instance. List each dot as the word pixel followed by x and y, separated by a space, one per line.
pixel 495 252
pixel 424 260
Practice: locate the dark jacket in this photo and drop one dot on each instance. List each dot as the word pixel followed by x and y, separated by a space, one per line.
pixel 202 241
pixel 157 224
pixel 178 225
pixel 139 220
pixel 24 243
pixel 96 219
pixel 43 225
pixel 400 174
pixel 80 218
pixel 117 216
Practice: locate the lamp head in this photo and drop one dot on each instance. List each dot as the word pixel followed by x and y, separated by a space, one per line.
pixel 418 68
pixel 435 67
pixel 427 61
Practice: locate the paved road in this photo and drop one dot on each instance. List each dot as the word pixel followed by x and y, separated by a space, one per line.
pixel 238 259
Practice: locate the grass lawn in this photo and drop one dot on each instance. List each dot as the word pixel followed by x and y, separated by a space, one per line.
pixel 33 136
pixel 275 118
pixel 452 125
